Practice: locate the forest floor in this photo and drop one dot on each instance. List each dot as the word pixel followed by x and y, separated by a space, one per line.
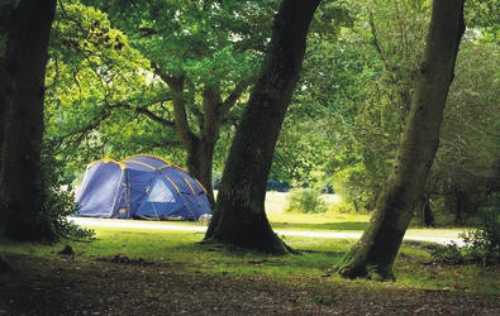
pixel 145 272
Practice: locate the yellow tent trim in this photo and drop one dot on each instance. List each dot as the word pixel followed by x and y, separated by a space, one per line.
pixel 123 165
pixel 189 185
pixel 145 165
pixel 168 163
pixel 107 160
pixel 201 185
pixel 173 183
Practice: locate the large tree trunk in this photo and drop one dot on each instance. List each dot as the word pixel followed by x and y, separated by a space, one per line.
pixel 3 102
pixel 5 12
pixel 240 217
pixel 374 254
pixel 4 97
pixel 20 177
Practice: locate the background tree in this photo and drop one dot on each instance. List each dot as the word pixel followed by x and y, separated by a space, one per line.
pixel 375 252
pixel 470 142
pixel 240 217
pixel 205 54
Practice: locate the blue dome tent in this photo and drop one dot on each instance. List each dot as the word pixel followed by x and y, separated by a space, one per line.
pixel 140 187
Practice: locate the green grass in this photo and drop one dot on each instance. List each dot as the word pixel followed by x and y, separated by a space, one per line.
pixel 326 221
pixel 183 251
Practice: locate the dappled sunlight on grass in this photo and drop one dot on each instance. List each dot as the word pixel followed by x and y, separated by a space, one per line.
pixel 183 251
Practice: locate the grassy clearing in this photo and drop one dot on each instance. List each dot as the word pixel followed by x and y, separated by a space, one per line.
pixel 170 272
pixel 183 251
pixel 326 221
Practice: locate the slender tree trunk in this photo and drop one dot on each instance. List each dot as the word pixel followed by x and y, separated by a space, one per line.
pixel 200 150
pixel 20 177
pixel 461 203
pixel 374 254
pixel 240 217
pixel 428 217
pixel 424 211
pixel 199 162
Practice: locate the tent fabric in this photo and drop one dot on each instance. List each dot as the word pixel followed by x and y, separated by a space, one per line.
pixel 140 187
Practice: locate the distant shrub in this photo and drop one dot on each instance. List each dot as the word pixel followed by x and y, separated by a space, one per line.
pixel 341 208
pixel 306 201
pixel 448 254
pixel 481 245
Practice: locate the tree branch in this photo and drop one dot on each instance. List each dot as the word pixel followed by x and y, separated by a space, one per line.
pixel 211 100
pixel 146 112
pixel 377 44
pixel 234 96
pixel 176 85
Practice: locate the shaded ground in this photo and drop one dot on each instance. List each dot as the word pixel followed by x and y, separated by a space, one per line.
pixel 111 286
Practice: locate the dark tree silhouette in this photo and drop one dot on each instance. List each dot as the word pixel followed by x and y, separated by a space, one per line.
pixel 25 63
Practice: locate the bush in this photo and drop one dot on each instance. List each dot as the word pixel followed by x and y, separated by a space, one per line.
pixel 342 207
pixel 306 201
pixel 58 203
pixel 481 245
pixel 449 254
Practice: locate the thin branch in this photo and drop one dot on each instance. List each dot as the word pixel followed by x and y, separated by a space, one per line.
pixel 234 96
pixel 376 42
pixel 144 111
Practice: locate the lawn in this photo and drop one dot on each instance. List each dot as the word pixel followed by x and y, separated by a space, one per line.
pixel 170 272
pixel 144 256
pixel 317 259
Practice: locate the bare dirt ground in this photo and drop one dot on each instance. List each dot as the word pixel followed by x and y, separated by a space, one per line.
pixel 58 286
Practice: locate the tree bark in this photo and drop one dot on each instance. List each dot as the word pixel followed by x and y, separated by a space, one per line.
pixel 200 148
pixel 374 255
pixel 424 211
pixel 240 217
pixel 4 97
pixel 5 13
pixel 20 177
pixel 428 217
pixel 199 163
pixel 462 201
